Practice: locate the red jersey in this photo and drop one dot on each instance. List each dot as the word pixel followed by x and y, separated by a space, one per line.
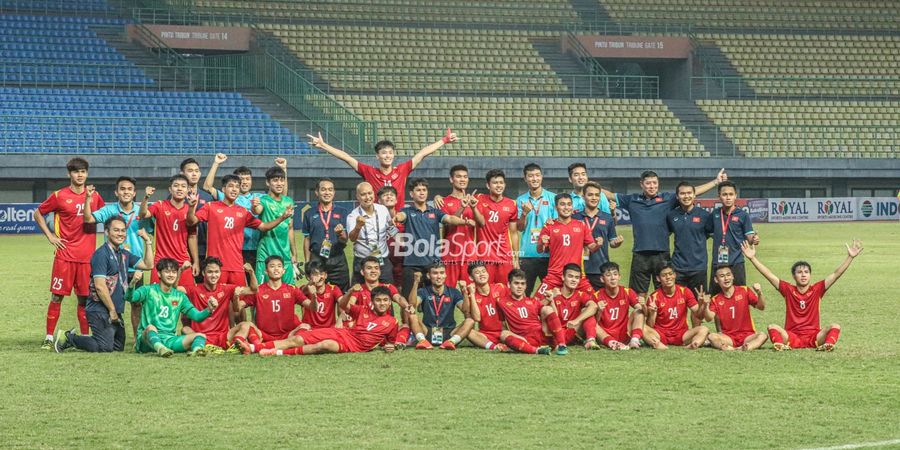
pixel 396 178
pixel 370 329
pixel 567 242
pixel 225 232
pixel 324 314
pixel 275 308
pixel 68 223
pixel 615 313
pixel 487 305
pixel 171 231
pixel 570 307
pixel 364 297
pixel 218 322
pixel 493 237
pixel 734 312
pixel 523 316
pixel 459 237
pixel 671 313
pixel 802 312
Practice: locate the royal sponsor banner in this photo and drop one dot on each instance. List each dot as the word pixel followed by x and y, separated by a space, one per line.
pixel 190 37
pixel 821 209
pixel 758 208
pixel 639 47
pixel 18 218
pixel 877 208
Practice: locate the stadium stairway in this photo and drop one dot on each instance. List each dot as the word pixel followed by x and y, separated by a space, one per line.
pixel 563 65
pixel 281 112
pixel 139 55
pixel 702 127
pixel 591 11
pixel 713 62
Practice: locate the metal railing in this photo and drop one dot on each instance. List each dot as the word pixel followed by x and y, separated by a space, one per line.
pixel 57 7
pixel 112 76
pixel 857 87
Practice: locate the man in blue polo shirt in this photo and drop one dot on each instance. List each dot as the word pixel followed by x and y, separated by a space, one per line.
pixel 418 244
pixel 535 208
pixel 648 211
pixel 324 236
pixel 730 226
pixel 437 303
pixel 109 281
pixel 688 223
pixel 579 178
pixel 601 225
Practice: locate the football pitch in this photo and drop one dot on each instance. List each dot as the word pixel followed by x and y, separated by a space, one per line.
pixel 472 398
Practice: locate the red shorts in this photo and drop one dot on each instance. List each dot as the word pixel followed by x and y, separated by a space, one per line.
pixel 676 338
pixel 570 336
pixel 266 337
pixel 456 271
pixel 493 336
pixel 551 281
pixel 498 272
pixel 738 339
pixel 67 275
pixel 186 280
pixel 218 339
pixel 619 333
pixel 339 335
pixel 537 338
pixel 235 278
pixel 805 340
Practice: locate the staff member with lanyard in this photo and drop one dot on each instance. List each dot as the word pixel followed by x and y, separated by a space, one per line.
pixel 325 236
pixel 370 227
pixel 730 226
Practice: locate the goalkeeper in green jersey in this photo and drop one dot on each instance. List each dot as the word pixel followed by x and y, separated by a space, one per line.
pixel 278 241
pixel 161 307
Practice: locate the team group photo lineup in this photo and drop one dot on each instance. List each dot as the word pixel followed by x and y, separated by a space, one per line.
pixel 205 265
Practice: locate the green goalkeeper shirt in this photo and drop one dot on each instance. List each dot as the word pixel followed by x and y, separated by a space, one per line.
pixel 163 309
pixel 275 241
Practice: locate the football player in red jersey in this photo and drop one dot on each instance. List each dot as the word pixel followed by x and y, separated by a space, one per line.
pixel 614 324
pixel 576 308
pixel 326 296
pixel 565 239
pixel 667 314
pixel 801 324
pixel 174 239
pixel 459 240
pixel 74 243
pixel 497 235
pixel 485 311
pixel 527 319
pixel 731 309
pixel 373 327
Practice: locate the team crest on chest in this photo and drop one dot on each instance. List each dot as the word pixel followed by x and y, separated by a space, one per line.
pixel 265 296
pixel 168 213
pixel 239 214
pixel 220 210
pixel 68 200
pixel 174 302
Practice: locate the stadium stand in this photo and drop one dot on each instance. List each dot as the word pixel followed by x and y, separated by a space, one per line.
pixel 81 6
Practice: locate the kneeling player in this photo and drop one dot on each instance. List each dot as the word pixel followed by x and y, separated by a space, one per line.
pixel 801 325
pixel 614 325
pixel 161 306
pixel 326 296
pixel 667 315
pixel 437 302
pixel 483 298
pixel 372 327
pixel 732 307
pixel 527 319
pixel 217 327
pixel 576 308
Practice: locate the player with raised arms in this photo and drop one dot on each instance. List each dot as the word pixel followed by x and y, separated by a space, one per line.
pixel 174 238
pixel 730 308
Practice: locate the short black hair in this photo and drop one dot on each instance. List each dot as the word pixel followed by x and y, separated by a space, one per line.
pixel 210 260
pixel 560 197
pixel 436 265
pixel 243 170
pixel 230 178
pixel 380 291
pixel 187 161
pixel 416 182
pixel 314 266
pixel 574 166
pixel 126 178
pixel 607 266
pixel 458 168
pixel 166 264
pixel 516 273
pixel 593 184
pixel 115 218
pixel 494 173
pixel 684 184
pixel 664 266
pixel 571 266
pixel 727 183
pixel 800 264
pixel 474 265
pixel 274 258
pixel 723 266
pixel 530 167
pixel 321 180
pixel 648 174
pixel 75 164
pixel 369 259
pixel 178 177
pixel 385 189
pixel 275 172
pixel 383 144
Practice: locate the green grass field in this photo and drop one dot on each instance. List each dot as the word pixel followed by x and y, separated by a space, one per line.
pixel 470 398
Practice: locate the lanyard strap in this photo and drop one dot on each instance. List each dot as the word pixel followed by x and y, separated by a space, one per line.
pixel 365 233
pixel 437 306
pixel 536 210
pixel 133 214
pixel 591 223
pixel 327 223
pixel 726 222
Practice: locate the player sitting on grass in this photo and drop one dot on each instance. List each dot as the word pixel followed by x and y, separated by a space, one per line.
pixel 362 295
pixel 667 315
pixel 275 302
pixel 801 324
pixel 731 306
pixel 575 307
pixel 485 309
pixel 372 327
pixel 217 328
pixel 527 318
pixel 161 306
pixel 614 325
pixel 437 302
pixel 326 295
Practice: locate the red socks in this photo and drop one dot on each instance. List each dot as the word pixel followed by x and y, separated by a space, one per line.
pixel 82 320
pixel 293 351
pixel 637 333
pixel 832 336
pixel 555 326
pixel 252 337
pixel 52 317
pixel 775 336
pixel 402 336
pixel 590 328
pixel 264 345
pixel 520 344
pixel 607 340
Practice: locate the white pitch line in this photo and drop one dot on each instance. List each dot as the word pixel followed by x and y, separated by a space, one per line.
pixel 861 445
